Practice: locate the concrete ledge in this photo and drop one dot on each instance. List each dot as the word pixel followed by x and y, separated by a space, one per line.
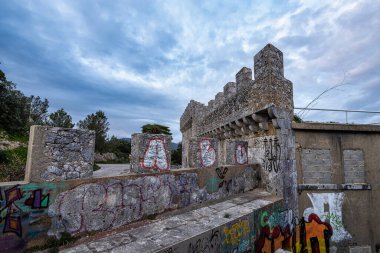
pixel 335 127
pixel 13 183
pixel 356 186
pixel 306 187
pixel 360 249
pixel 321 187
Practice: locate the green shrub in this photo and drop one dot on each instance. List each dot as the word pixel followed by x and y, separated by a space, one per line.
pixel 297 118
pixel 12 163
pixel 53 244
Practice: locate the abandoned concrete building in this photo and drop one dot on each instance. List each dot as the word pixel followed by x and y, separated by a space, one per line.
pixel 252 180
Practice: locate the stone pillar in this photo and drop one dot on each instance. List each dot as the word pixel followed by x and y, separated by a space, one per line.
pixel 150 152
pixel 243 78
pixel 56 154
pixel 269 62
pixel 236 152
pixel 202 152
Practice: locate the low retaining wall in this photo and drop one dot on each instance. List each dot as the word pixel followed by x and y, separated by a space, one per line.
pixel 266 227
pixel 29 212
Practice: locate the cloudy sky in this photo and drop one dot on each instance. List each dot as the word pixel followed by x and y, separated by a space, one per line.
pixel 142 61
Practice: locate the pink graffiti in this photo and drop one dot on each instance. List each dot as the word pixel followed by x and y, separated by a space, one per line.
pixel 208 154
pixel 155 156
pixel 241 154
pixel 100 206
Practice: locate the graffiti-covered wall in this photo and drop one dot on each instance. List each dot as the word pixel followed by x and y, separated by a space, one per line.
pixel 266 229
pixel 339 181
pixel 24 213
pixel 30 212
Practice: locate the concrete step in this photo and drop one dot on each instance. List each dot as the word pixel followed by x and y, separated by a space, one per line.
pixel 222 227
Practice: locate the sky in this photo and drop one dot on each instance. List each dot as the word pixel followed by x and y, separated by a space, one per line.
pixel 143 61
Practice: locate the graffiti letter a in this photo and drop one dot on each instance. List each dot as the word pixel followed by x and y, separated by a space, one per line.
pixel 155 156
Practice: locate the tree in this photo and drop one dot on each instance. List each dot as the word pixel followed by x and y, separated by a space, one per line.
pixel 38 111
pixel 155 129
pixel 14 107
pixel 120 147
pixel 60 118
pixel 177 154
pixel 97 122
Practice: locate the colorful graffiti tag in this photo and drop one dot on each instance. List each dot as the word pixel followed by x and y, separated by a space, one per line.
pixel 237 231
pixel 328 206
pixel 312 235
pixel 11 208
pixel 11 213
pixel 208 154
pixel 155 157
pixel 22 207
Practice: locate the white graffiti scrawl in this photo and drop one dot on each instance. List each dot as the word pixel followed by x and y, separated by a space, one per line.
pixel 155 156
pixel 208 154
pixel 328 206
pixel 241 154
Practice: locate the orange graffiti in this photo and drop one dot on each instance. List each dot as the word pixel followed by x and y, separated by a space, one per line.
pixel 312 236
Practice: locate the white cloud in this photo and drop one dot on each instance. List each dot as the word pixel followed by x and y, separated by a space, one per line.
pixel 186 50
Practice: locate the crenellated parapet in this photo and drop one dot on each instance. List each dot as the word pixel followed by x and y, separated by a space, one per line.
pixel 249 122
pixel 238 110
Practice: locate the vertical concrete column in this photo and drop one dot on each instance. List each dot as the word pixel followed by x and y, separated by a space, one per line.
pixel 150 152
pixel 56 154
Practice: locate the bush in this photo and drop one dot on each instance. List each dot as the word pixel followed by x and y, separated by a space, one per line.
pixel 53 244
pixel 297 118
pixel 12 163
pixel 120 147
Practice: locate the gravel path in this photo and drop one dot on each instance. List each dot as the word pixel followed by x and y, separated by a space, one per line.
pixel 108 170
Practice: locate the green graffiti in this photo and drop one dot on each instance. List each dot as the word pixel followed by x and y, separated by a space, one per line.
pixel 213 184
pixel 333 219
pixel 264 219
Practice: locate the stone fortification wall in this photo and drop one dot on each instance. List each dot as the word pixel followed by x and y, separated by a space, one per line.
pixel 256 111
pixel 244 97
pixel 56 154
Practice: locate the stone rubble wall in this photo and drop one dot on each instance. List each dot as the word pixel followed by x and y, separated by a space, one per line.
pixel 57 154
pixel 113 203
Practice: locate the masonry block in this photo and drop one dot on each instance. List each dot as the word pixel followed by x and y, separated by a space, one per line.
pixel 56 154
pixel 353 164
pixel 150 152
pixel 236 152
pixel 316 164
pixel 202 152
